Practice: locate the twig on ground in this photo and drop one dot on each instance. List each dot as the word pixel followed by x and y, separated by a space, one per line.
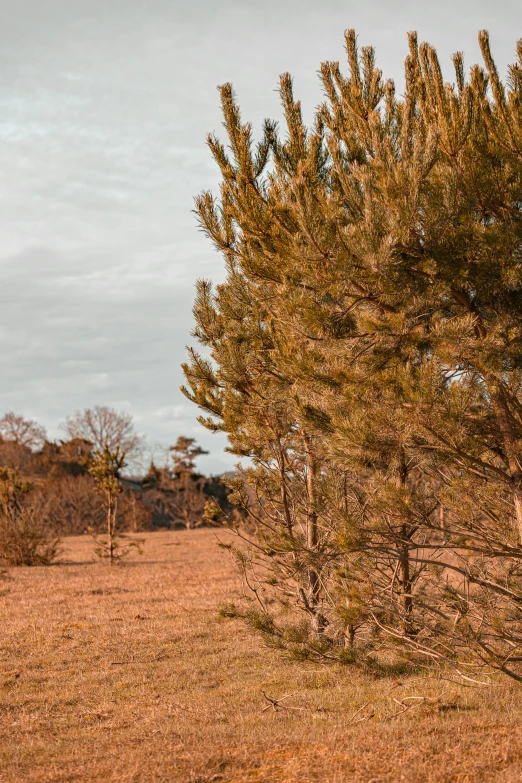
pixel 275 704
pixel 417 701
pixel 366 717
pixel 405 708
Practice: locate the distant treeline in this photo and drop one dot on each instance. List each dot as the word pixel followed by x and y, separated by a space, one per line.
pixel 56 475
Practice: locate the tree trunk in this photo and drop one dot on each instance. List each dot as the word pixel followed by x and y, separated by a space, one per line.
pixel 111 524
pixel 517 499
pixel 406 583
pixel 312 539
pixel 404 559
pixel 511 449
pixel 284 493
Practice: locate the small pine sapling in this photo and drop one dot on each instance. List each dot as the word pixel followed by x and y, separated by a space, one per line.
pixel 105 470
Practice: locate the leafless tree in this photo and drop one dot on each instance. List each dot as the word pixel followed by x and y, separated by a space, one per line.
pixel 23 432
pixel 105 427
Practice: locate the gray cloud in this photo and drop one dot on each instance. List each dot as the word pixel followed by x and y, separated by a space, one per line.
pixel 104 107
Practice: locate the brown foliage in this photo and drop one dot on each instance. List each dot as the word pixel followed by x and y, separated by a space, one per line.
pixel 59 472
pixel 27 538
pixel 177 498
pixel 74 506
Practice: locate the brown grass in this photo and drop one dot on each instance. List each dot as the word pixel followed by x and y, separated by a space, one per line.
pixel 129 674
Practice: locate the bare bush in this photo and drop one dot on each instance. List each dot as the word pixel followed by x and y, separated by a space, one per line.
pixel 74 504
pixel 26 534
pixel 27 538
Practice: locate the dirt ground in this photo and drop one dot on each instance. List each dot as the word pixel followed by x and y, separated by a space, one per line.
pixel 130 674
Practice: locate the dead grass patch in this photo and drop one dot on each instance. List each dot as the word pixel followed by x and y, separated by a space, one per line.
pixel 130 674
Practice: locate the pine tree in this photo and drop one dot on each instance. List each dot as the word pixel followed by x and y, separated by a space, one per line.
pixel 370 328
pixel 105 468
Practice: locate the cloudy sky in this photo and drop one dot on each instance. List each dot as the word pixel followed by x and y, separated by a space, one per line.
pixel 104 108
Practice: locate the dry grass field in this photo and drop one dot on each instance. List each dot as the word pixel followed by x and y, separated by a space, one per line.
pixel 130 674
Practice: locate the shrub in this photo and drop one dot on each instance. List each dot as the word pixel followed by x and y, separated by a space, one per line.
pixel 26 537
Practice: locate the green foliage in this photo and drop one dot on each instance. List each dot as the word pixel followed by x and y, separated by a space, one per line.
pixel 184 454
pixel 365 353
pixel 261 621
pixel 105 468
pixel 229 611
pixel 12 490
pixel 212 512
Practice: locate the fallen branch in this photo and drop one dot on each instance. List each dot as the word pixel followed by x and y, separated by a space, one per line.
pixel 352 720
pixel 275 704
pixel 406 708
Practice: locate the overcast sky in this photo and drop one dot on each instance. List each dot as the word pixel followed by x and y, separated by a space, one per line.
pixel 104 108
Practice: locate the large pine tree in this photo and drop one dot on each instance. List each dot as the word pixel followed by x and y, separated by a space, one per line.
pixel 366 347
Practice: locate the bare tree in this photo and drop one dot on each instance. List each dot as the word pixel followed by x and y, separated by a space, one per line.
pixel 105 427
pixel 23 432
